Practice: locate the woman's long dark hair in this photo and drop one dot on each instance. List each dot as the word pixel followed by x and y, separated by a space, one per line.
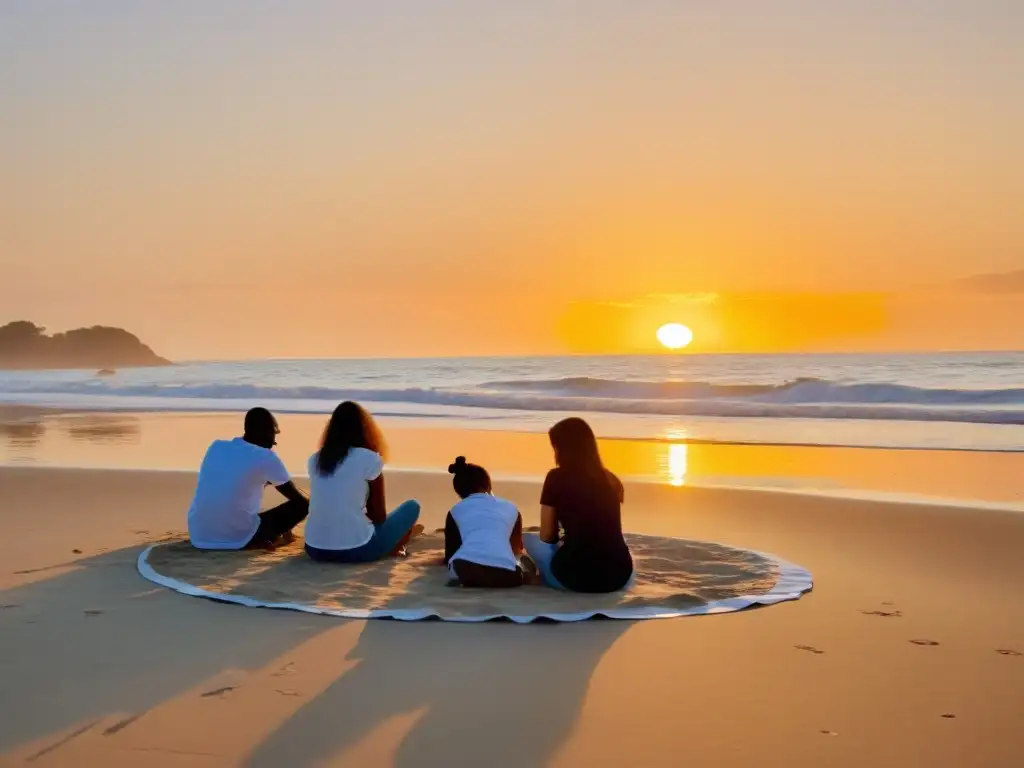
pixel 576 447
pixel 350 426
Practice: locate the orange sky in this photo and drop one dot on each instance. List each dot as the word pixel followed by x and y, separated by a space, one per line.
pixel 482 177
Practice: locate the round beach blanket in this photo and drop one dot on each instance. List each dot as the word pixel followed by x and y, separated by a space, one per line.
pixel 674 577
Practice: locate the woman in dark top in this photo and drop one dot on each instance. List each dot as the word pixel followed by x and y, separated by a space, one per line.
pixel 580 546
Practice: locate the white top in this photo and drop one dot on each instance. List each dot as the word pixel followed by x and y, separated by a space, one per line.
pixel 485 524
pixel 226 506
pixel 337 502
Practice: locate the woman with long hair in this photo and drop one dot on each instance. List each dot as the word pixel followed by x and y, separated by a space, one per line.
pixel 580 546
pixel 348 521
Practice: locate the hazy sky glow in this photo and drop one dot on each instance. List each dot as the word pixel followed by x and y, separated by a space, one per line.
pixel 317 178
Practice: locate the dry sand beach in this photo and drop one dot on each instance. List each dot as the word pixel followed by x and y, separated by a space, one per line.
pixel 907 652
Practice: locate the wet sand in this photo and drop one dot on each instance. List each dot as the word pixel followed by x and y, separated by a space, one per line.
pixel 907 652
pixel 39 437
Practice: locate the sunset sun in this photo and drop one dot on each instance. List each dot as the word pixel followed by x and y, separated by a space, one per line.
pixel 675 336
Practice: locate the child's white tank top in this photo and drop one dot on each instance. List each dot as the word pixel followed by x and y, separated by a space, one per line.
pixel 485 524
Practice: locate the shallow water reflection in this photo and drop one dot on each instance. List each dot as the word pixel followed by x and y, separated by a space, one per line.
pixel 68 439
pixel 674 458
pixel 103 429
pixel 22 434
pixel 676 463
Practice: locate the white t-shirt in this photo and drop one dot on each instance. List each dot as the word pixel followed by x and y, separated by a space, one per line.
pixel 226 506
pixel 485 524
pixel 337 502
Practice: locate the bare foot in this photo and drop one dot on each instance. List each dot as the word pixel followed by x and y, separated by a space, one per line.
pixel 533 579
pixel 529 568
pixel 400 551
pixel 287 537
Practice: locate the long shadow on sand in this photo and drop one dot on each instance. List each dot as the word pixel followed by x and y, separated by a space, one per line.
pixel 492 694
pixel 485 694
pixel 99 639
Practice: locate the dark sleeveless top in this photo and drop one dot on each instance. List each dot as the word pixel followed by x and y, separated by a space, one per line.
pixel 593 556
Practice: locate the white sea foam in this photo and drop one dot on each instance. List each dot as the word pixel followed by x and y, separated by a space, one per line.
pixel 977 400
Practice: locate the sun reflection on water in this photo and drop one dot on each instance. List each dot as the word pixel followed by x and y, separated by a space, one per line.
pixel 676 460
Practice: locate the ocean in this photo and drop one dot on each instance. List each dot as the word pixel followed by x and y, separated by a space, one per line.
pixel 958 401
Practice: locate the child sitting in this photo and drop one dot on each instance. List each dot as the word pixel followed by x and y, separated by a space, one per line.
pixel 483 534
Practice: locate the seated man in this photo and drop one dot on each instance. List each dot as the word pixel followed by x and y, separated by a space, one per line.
pixel 225 512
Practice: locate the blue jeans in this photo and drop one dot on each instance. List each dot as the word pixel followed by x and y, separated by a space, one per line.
pixel 541 553
pixel 385 538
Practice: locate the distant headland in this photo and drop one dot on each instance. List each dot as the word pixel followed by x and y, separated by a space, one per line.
pixel 26 346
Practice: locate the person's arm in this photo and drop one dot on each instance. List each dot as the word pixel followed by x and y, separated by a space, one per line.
pixel 277 476
pixel 516 539
pixel 452 538
pixel 376 509
pixel 292 492
pixel 548 524
pixel 549 500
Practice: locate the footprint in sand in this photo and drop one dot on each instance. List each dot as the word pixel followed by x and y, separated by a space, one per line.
pixel 1000 651
pixel 828 733
pixel 8 606
pixel 92 612
pixel 924 642
pixel 887 614
pixel 287 669
pixel 287 692
pixel 949 716
pixel 809 649
pixel 76 551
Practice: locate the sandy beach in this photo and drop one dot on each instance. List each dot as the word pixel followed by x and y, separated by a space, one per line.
pixel 103 668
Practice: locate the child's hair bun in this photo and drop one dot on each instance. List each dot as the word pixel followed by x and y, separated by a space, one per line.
pixel 460 463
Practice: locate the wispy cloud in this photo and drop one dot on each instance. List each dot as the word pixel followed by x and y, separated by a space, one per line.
pixel 995 282
pixel 683 298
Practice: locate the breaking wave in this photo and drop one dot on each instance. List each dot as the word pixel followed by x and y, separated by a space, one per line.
pixel 801 398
